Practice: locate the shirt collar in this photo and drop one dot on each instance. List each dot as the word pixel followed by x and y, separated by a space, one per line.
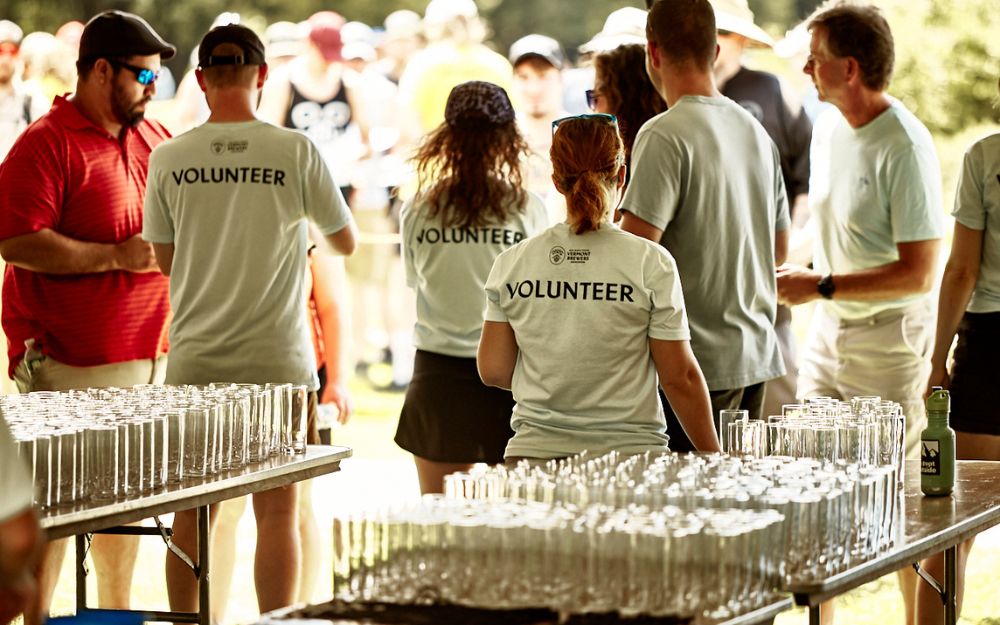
pixel 69 116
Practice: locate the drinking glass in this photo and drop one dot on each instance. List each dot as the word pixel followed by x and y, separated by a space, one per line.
pixel 158 450
pixel 41 469
pixel 101 448
pixel 176 439
pixel 826 443
pixel 130 458
pixel 725 418
pixel 242 406
pixel 64 461
pixel 197 428
pixel 281 407
pixel 299 419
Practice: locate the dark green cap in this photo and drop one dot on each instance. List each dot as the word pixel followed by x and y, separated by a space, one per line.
pixel 939 400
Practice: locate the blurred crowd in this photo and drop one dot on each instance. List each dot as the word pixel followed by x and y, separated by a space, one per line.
pixel 366 94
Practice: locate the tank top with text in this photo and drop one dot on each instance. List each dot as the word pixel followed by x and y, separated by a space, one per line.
pixel 330 126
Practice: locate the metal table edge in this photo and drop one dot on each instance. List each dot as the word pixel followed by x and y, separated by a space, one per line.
pixel 210 491
pixel 813 593
pixel 761 615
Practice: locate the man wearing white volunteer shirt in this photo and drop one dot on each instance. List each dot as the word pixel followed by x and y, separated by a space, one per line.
pixel 706 184
pixel 227 211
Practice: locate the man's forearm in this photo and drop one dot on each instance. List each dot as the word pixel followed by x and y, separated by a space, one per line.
pixel 47 251
pixel 883 283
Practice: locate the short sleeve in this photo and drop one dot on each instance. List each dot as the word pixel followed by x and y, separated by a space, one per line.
pixel 970 207
pixel 782 221
pixel 157 222
pixel 15 482
pixel 406 218
pixel 654 190
pixel 494 285
pixel 914 190
pixel 667 317
pixel 33 178
pixel 324 204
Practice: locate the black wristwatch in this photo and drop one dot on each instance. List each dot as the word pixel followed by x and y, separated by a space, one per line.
pixel 826 287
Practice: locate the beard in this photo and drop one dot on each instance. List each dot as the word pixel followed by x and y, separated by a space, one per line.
pixel 127 111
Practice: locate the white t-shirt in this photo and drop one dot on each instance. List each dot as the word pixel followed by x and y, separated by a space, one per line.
pixel 871 188
pixel 447 267
pixel 235 199
pixel 583 308
pixel 977 206
pixel 15 481
pixel 706 173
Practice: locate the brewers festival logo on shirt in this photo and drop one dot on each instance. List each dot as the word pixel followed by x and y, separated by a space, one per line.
pixel 557 255
pixel 220 146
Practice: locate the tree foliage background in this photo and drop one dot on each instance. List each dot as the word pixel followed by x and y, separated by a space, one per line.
pixel 948 53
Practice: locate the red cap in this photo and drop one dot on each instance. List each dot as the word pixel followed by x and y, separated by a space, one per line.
pixel 324 33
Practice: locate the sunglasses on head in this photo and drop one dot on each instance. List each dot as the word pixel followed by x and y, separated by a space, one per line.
pixel 611 120
pixel 592 95
pixel 143 75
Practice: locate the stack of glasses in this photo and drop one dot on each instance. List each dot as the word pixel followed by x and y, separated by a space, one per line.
pixel 594 559
pixel 866 431
pixel 107 444
pixel 678 535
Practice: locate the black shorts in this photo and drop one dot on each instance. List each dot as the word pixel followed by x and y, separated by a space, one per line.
pixel 975 377
pixel 449 415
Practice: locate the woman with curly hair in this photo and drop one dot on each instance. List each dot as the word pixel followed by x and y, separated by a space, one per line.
pixel 622 88
pixel 583 318
pixel 470 205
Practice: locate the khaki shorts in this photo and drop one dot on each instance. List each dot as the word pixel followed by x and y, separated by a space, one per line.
pixel 887 354
pixel 42 373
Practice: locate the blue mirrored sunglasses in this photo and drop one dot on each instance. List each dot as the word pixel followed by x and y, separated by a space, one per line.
pixel 609 119
pixel 143 75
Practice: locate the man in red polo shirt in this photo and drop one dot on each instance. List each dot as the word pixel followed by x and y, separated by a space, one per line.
pixel 83 304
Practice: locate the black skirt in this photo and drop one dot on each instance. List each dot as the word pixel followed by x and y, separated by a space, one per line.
pixel 975 377
pixel 449 415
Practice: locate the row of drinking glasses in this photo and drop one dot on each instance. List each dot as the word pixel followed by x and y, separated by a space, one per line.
pixel 507 554
pixel 866 431
pixel 867 435
pixel 113 443
pixel 835 515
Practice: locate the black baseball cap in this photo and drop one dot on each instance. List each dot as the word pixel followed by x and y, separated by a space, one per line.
pixel 117 34
pixel 240 36
pixel 538 46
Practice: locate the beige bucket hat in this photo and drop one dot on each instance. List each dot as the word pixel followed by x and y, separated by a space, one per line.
pixel 736 17
pixel 623 26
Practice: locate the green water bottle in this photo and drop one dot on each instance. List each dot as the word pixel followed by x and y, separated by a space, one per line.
pixel 937 446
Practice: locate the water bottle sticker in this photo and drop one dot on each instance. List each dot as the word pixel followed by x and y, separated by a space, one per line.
pixel 930 457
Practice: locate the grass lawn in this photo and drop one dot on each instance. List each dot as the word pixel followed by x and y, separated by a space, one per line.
pixel 380 471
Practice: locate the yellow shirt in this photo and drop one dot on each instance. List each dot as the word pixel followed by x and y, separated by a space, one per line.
pixel 432 73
